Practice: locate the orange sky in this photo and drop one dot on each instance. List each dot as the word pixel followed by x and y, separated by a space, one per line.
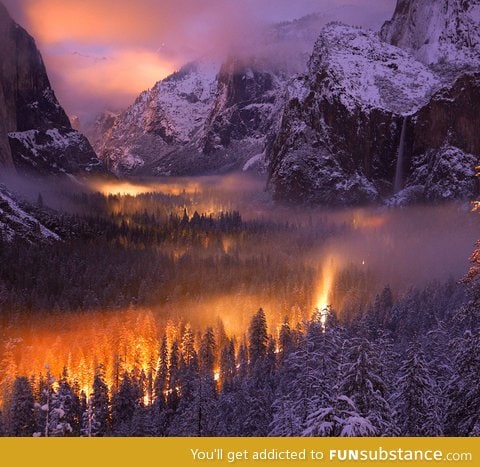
pixel 103 53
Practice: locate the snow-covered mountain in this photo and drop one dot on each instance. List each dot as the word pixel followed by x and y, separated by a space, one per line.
pixel 370 119
pixel 209 116
pixel 342 120
pixel 35 133
pixel 444 32
pixel 167 117
pixel 368 116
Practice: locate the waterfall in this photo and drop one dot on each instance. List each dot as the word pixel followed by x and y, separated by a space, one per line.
pixel 398 183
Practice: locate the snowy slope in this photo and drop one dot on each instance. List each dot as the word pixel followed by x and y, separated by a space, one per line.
pixel 445 32
pixel 168 116
pixel 15 221
pixel 362 71
pixel 54 151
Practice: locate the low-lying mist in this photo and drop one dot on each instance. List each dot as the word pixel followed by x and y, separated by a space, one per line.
pixel 400 247
pixel 148 257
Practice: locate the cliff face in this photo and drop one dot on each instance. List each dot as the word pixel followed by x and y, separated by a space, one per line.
pixel 35 133
pixel 437 31
pixel 342 123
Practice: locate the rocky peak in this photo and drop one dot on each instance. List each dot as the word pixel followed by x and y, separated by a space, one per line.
pixel 35 132
pixel 445 32
pixel 354 65
pixel 246 94
pixel 368 119
pixel 162 119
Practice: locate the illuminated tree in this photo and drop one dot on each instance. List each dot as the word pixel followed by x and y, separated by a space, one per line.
pixel 257 338
pixel 188 345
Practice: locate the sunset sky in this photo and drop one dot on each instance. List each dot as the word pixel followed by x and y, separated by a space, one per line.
pixel 102 53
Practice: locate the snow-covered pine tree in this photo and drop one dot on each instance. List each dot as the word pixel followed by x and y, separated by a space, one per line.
pixel 415 399
pixel 463 416
pixel 308 377
pixel 228 369
pixel 260 384
pixel 363 385
pixel 99 404
pixel 196 414
pixel 71 403
pixel 21 408
pixel 159 406
pixel 57 423
pixel 124 404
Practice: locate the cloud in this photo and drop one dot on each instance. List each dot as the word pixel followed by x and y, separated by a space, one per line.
pixel 142 41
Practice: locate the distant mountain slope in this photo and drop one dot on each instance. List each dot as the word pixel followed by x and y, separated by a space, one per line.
pixel 168 116
pixel 209 116
pixel 35 133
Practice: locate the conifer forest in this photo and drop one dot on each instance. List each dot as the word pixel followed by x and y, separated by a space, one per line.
pixel 208 311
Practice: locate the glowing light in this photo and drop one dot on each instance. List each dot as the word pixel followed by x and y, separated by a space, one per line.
pixel 323 297
pixel 216 375
pixel 125 188
pixel 367 220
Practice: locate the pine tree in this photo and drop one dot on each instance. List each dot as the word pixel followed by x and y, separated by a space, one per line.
pixel 124 404
pixel 70 403
pixel 285 339
pixel 228 368
pixel 257 338
pixel 159 407
pixel 363 385
pixel 45 405
pixel 307 378
pixel 415 399
pixel 196 415
pixel 464 395
pixel 98 416
pixel 173 391
pixel 57 420
pixel 22 409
